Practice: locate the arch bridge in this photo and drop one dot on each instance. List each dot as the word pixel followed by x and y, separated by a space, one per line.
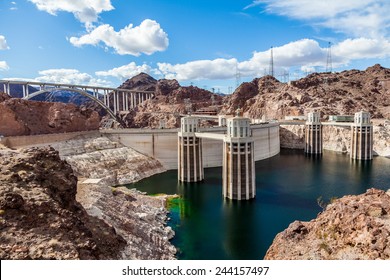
pixel 113 100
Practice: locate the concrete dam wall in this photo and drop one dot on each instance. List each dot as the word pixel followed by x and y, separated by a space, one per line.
pixel 162 144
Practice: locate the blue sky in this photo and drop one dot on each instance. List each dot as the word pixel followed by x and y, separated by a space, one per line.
pixel 205 43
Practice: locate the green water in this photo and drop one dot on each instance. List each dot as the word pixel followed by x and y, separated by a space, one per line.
pixel 287 188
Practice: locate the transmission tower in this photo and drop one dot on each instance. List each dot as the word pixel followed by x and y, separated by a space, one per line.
pixel 329 58
pixel 271 63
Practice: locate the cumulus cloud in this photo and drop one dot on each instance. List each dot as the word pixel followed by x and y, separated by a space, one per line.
pixel 3 43
pixel 361 48
pixel 305 54
pixel 86 11
pixel 3 66
pixel 146 38
pixel 353 17
pixel 126 71
pixel 69 76
pixel 201 69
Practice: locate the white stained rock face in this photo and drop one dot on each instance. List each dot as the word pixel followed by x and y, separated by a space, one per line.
pixel 115 166
pixel 336 139
pixel 382 140
pixel 292 136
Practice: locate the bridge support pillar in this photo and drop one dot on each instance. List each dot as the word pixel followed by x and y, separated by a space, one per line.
pixel 190 162
pixel 362 137
pixel 313 134
pixel 238 161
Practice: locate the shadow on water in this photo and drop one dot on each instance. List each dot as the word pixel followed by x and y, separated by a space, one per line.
pixel 288 185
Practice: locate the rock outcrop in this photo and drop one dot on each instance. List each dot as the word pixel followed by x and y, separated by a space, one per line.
pixel 138 218
pixel 39 215
pixel 24 117
pixel 350 228
pixel 336 138
pixel 101 158
pixel 165 108
pixel 329 93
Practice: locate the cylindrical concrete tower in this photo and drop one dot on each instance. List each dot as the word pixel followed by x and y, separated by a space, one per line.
pixel 238 160
pixel 313 134
pixel 362 137
pixel 190 163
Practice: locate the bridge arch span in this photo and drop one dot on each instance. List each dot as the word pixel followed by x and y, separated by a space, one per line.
pixel 82 92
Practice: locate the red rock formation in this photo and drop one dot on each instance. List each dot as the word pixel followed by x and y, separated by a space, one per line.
pixel 168 103
pixel 24 117
pixel 330 93
pixel 352 227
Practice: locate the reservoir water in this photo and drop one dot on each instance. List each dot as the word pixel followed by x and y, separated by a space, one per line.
pixel 287 189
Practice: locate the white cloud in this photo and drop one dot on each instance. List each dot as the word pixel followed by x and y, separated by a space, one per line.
pixel 126 71
pixel 69 76
pixel 3 66
pixel 201 69
pixel 361 48
pixel 305 54
pixel 353 17
pixel 146 38
pixel 3 43
pixel 86 11
pixel 13 8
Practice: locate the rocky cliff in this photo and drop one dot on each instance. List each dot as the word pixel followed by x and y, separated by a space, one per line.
pixel 101 158
pixel 168 103
pixel 39 215
pixel 138 218
pixel 350 228
pixel 336 138
pixel 329 93
pixel 41 219
pixel 24 117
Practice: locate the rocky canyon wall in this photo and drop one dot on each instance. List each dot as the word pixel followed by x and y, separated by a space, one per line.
pixel 335 138
pixel 41 217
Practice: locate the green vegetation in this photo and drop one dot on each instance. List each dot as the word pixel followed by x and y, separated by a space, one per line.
pixel 173 203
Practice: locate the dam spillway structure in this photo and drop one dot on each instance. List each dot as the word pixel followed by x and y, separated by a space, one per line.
pixel 238 178
pixel 190 163
pixel 362 137
pixel 313 134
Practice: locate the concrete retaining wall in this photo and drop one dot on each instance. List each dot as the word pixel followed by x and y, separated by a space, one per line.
pixel 44 139
pixel 162 144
